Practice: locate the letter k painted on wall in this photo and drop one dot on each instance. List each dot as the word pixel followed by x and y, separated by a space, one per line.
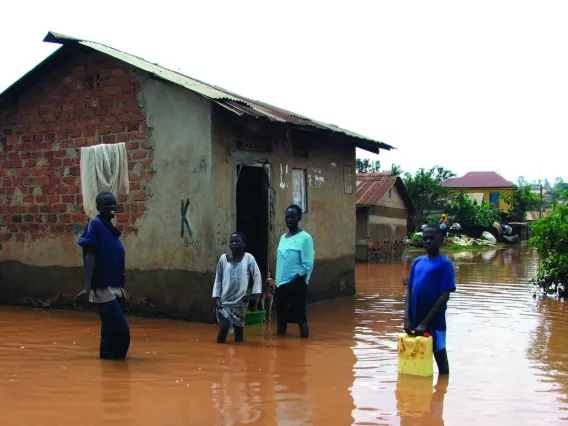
pixel 185 222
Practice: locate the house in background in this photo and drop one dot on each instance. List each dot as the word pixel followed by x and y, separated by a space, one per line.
pixel 383 209
pixel 231 162
pixel 488 187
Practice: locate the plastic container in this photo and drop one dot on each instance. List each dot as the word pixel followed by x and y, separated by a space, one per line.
pixel 254 317
pixel 415 355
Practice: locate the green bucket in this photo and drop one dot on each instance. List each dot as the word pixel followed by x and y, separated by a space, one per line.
pixel 254 317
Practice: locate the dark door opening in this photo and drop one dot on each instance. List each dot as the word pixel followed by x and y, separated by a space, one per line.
pixel 252 212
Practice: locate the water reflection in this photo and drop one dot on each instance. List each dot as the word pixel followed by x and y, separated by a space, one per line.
pixel 507 353
pixel 548 348
pixel 418 402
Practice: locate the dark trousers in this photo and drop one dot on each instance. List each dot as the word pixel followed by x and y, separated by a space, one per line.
pixel 291 301
pixel 224 326
pixel 115 332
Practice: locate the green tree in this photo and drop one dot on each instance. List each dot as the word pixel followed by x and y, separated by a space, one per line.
pixel 550 238
pixel 521 201
pixel 558 190
pixel 426 190
pixel 396 170
pixel 466 212
pixel 364 165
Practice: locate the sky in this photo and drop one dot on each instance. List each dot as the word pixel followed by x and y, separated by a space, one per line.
pixel 471 86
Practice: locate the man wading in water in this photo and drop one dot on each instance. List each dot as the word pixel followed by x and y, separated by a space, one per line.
pixel 103 257
pixel 430 283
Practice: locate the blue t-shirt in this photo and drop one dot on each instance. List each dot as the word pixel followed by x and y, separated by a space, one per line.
pixel 103 239
pixel 428 279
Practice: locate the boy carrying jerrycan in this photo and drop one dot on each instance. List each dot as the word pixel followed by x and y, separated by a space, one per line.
pixel 430 283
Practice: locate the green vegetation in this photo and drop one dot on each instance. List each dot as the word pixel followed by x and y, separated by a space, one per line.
pixel 550 238
pixel 426 190
pixel 463 210
pixel 365 165
pixel 448 246
pixel 521 201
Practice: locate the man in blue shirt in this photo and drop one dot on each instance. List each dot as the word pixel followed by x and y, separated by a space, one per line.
pixel 104 263
pixel 430 283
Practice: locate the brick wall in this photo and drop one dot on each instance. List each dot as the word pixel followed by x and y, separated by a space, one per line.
pixel 87 101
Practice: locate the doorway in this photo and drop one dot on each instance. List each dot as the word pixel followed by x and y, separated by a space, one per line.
pixel 252 211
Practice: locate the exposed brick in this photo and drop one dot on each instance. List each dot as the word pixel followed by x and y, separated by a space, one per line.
pixel 138 155
pixel 122 218
pixel 117 128
pixel 41 137
pixel 74 189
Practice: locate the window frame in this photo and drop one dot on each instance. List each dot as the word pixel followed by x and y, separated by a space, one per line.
pixel 303 191
pixel 498 194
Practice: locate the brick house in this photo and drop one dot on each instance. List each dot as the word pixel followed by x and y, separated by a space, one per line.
pixel 233 163
pixel 383 209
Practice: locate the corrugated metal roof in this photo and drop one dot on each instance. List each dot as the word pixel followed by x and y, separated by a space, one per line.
pixel 478 180
pixel 372 187
pixel 233 102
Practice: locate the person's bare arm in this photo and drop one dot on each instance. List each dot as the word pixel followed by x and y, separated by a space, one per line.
pixel 88 271
pixel 436 310
pixel 407 320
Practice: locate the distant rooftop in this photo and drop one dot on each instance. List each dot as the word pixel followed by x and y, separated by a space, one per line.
pixel 478 180
pixel 372 187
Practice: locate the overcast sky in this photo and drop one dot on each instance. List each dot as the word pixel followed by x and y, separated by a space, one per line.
pixel 471 86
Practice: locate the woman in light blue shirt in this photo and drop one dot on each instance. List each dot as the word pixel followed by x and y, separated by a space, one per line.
pixel 294 265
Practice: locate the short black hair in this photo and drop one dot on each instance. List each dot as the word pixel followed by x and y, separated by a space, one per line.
pixel 434 228
pixel 101 196
pixel 297 208
pixel 242 235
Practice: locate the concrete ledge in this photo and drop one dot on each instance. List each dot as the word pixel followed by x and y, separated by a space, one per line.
pixel 159 292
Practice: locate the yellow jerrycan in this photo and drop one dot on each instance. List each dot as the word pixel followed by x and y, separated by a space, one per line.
pixel 415 355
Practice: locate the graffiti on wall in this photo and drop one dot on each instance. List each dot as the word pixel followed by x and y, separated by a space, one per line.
pixel 185 221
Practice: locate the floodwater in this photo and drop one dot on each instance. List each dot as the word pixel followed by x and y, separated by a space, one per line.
pixel 507 351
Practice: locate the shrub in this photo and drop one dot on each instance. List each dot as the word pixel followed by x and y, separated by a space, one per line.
pixel 550 238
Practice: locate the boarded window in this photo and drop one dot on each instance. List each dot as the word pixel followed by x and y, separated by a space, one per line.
pixel 299 189
pixel 348 179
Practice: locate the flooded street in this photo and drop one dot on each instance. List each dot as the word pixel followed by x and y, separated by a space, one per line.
pixel 507 351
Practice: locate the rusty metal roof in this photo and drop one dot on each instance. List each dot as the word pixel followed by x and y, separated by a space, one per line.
pixel 235 103
pixel 372 187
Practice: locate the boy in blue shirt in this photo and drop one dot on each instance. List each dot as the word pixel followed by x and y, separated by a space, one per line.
pixel 105 274
pixel 430 283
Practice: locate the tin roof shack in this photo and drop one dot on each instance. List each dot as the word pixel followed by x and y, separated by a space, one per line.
pixel 231 162
pixel 383 209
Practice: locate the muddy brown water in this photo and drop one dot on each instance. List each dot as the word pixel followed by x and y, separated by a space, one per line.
pixel 508 358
